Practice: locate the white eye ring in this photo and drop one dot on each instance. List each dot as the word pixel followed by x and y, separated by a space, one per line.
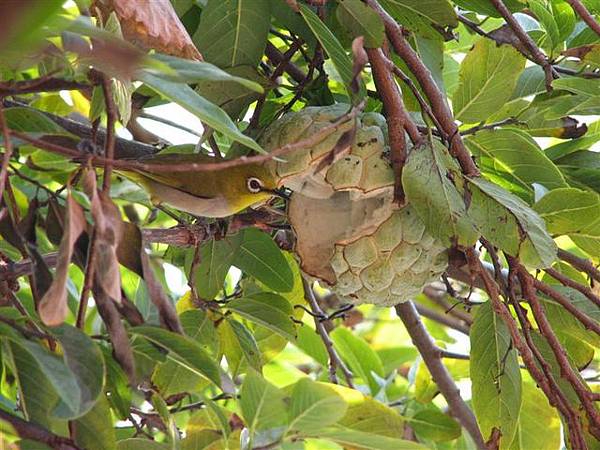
pixel 254 185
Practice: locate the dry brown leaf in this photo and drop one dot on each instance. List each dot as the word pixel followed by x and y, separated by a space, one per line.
pixel 108 227
pixel 151 25
pixel 166 309
pixel 53 306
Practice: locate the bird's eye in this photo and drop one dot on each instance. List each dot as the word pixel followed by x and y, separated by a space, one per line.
pixel 254 185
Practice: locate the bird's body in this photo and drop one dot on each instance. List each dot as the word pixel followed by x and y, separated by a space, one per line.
pixel 213 193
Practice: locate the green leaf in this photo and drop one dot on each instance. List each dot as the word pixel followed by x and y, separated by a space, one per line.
pixel 29 120
pixel 314 406
pixel 117 385
pixel 582 169
pixel 495 376
pixel 261 403
pixel 570 211
pixel 515 156
pixel 366 441
pixel 539 424
pixel 361 20
pixel 267 309
pixel 330 43
pixel 361 358
pixel 85 361
pixel 95 430
pixel 421 15
pixel 187 71
pixel 552 39
pixel 429 179
pixel 171 377
pixel 310 343
pixel 434 425
pixel 233 32
pixel 239 345
pixel 257 255
pixel 535 246
pixel 487 78
pixel 184 350
pixel 207 112
pixel 216 257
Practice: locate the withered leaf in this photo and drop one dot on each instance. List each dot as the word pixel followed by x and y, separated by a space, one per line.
pixel 108 229
pixel 53 306
pixel 150 25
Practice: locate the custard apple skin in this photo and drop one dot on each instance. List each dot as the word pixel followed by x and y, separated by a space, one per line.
pixel 390 266
pixel 349 232
pixel 363 169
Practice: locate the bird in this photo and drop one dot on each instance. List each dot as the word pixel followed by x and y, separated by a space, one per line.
pixel 212 193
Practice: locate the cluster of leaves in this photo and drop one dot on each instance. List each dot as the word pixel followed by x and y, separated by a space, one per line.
pixel 230 357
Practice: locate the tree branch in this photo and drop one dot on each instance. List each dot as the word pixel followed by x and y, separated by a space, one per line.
pixel 28 430
pixel 436 98
pixel 432 358
pixel 527 42
pixel 585 15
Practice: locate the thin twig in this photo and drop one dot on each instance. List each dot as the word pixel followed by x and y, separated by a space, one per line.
pixel 432 358
pixel 527 42
pixel 111 119
pixel 582 264
pixel 310 141
pixel 569 282
pixel 442 318
pixel 335 361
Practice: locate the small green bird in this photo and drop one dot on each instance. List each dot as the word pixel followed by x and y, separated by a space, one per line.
pixel 213 193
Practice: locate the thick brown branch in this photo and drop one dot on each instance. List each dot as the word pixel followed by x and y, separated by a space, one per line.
pixel 28 430
pixel 43 84
pixel 585 15
pixel 582 264
pixel 432 358
pixel 437 100
pixel 398 119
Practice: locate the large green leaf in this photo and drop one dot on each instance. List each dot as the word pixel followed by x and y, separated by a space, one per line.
pixel 495 376
pixel 207 112
pixel 361 358
pixel 94 430
pixel 539 425
pixel 189 72
pixel 575 213
pixel 496 213
pixel 85 361
pixel 421 15
pixel 171 377
pixel 582 169
pixel 233 32
pixel 257 255
pixel 262 404
pixel 238 345
pixel 487 78
pixel 216 258
pixel 430 178
pixel 183 350
pixel 365 440
pixel 434 425
pixel 361 20
pixel 514 155
pixel 314 406
pixel 267 309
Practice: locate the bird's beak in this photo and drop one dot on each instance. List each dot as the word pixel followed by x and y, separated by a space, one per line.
pixel 280 192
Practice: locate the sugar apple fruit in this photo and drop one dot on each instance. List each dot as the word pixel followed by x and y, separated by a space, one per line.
pixel 349 232
pixel 363 169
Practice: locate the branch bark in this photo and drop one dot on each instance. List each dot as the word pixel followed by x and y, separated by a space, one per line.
pixel 585 15
pixel 437 100
pixel 432 358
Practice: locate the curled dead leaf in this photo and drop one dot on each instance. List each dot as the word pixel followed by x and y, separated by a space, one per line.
pixel 53 305
pixel 150 25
